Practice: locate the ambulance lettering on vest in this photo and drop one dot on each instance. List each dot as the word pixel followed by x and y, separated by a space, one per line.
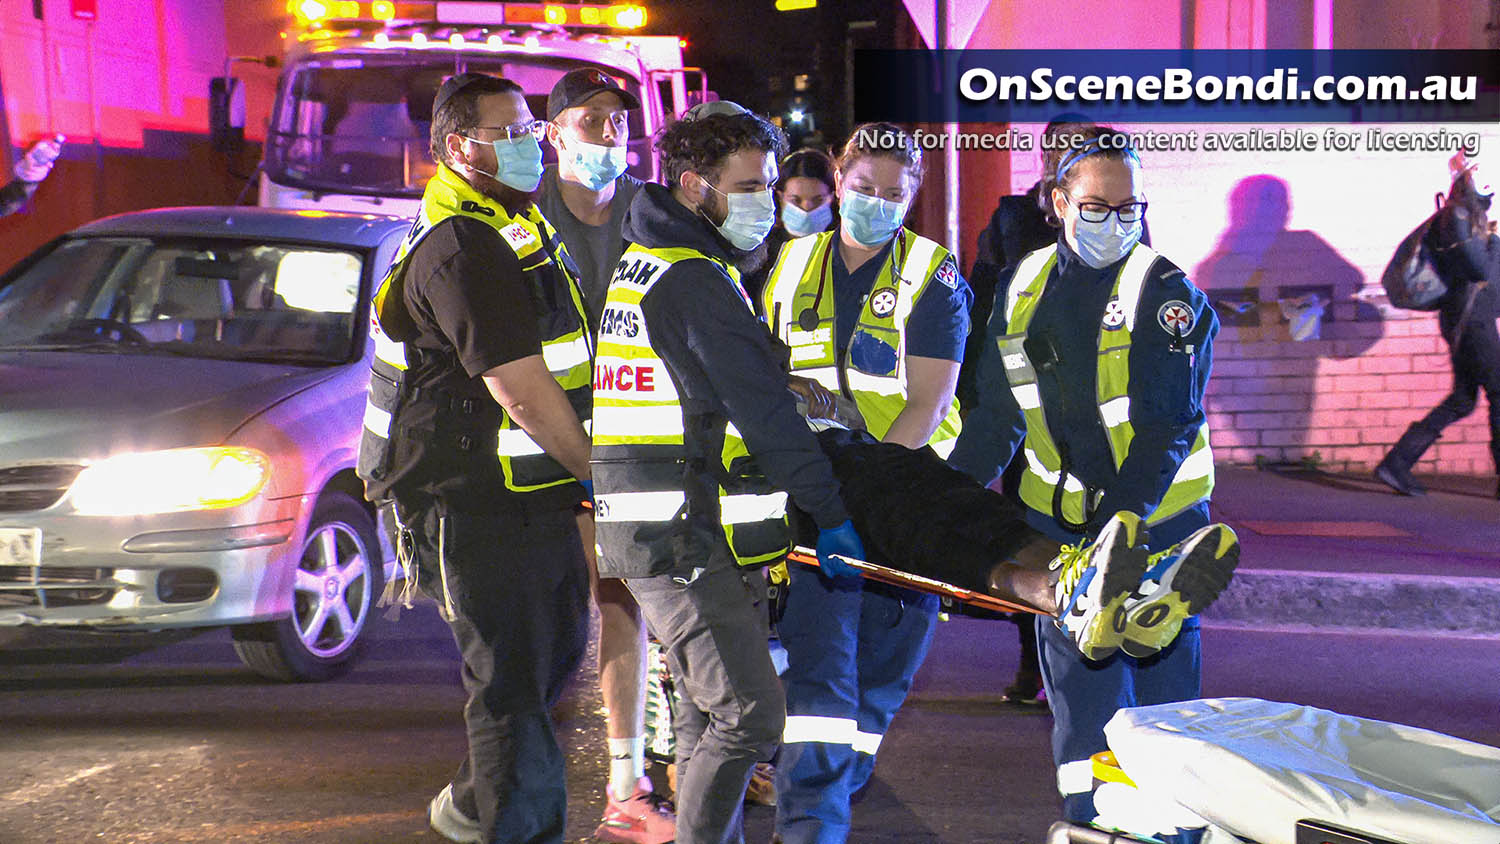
pixel 637 272
pixel 517 235
pixel 1176 318
pixel 1114 315
pixel 883 302
pixel 618 322
pixel 624 378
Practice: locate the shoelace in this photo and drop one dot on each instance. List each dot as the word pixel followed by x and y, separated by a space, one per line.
pixel 1073 560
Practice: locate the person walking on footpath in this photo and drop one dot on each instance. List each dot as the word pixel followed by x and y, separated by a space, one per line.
pixel 1466 251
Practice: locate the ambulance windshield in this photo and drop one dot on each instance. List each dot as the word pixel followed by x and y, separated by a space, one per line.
pixel 360 125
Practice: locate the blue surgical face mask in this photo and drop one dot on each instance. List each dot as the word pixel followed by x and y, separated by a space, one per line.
pixel 518 160
pixel 594 165
pixel 871 220
pixel 750 218
pixel 799 223
pixel 1102 244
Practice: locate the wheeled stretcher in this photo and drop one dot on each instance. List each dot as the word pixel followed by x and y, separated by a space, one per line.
pixel 1226 770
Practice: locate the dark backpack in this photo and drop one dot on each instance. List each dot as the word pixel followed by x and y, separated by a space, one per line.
pixel 1411 279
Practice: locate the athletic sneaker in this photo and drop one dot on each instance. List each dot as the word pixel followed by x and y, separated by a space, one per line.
pixel 1180 581
pixel 643 819
pixel 449 821
pixel 1093 581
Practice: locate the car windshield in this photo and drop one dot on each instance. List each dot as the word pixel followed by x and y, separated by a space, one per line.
pixel 227 300
pixel 361 125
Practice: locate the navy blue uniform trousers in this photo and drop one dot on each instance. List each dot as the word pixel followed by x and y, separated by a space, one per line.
pixel 852 649
pixel 1085 694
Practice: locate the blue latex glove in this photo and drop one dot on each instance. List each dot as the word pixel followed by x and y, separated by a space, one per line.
pixel 840 540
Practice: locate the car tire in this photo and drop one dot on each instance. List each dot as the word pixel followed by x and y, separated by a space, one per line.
pixel 337 583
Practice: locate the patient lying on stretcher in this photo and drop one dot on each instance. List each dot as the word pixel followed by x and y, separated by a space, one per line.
pixel 917 514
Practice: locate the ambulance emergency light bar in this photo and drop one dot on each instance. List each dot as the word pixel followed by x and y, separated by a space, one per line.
pixel 315 12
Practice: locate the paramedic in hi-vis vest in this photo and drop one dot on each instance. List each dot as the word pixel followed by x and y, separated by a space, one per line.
pixel 1095 364
pixel 697 442
pixel 877 313
pixel 475 430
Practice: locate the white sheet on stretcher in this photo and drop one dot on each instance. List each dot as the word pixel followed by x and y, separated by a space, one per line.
pixel 1255 768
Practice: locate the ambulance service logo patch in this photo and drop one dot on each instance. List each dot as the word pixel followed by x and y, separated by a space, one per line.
pixel 1176 318
pixel 883 302
pixel 1114 315
pixel 947 274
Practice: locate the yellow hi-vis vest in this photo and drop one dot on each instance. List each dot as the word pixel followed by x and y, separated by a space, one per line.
pixel 1194 480
pixel 802 270
pixel 642 480
pixel 566 348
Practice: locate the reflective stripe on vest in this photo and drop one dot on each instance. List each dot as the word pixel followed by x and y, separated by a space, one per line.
pixel 1194 479
pixel 639 422
pixel 793 287
pixel 566 349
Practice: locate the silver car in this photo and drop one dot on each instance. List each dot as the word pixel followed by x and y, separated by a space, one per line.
pixel 180 401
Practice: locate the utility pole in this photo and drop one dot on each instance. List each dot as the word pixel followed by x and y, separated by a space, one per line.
pixel 950 146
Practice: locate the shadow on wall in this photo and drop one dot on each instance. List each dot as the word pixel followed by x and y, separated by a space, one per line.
pixel 1287 301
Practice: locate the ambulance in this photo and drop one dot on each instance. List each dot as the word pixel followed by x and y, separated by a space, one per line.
pixel 349 126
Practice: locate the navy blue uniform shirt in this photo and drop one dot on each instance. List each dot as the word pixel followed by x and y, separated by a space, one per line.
pixel 1168 376
pixel 939 322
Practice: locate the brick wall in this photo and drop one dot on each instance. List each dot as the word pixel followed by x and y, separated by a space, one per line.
pixel 1252 228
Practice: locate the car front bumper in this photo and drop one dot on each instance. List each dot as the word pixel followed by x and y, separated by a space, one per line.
pixel 174 570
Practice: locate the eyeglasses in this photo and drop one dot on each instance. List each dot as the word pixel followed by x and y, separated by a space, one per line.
pixel 536 128
pixel 1098 212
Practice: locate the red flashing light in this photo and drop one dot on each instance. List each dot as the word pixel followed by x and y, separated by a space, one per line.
pixel 525 13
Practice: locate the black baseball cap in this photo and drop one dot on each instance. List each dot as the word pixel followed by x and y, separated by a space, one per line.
pixel 578 85
pixel 453 84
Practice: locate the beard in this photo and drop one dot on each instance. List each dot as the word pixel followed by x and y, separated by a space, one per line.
pixel 750 262
pixel 715 211
pixel 514 201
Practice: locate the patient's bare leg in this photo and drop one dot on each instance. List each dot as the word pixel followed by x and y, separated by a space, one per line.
pixel 1024 578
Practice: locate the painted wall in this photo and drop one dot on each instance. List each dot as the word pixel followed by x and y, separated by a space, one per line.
pixel 1251 227
pixel 129 90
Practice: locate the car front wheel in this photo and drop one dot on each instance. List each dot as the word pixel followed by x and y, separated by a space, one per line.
pixel 334 590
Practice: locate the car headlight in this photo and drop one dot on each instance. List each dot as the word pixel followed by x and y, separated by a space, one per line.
pixel 171 481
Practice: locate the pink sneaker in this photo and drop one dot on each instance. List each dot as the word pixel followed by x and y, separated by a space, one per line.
pixel 643 819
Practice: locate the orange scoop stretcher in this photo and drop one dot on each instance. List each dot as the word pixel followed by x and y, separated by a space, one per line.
pixel 896 577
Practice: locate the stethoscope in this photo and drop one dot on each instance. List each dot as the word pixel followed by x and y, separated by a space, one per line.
pixel 808 318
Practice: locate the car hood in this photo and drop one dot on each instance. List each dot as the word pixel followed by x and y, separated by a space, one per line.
pixel 81 406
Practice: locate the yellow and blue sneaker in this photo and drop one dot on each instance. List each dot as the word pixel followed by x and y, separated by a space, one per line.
pixel 1179 582
pixel 1093 582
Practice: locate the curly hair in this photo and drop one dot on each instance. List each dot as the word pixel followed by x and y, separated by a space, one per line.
pixel 703 144
pixel 882 140
pixel 461 112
